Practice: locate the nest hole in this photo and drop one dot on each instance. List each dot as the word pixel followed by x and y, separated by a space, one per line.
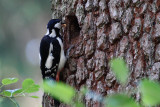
pixel 73 28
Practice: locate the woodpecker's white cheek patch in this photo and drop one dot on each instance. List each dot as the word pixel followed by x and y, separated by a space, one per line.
pixel 57 25
pixel 50 58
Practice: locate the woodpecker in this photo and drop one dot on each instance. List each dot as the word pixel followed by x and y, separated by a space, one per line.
pixel 52 57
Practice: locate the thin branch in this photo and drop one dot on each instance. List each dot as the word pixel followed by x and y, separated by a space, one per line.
pixel 14 102
pixel 1 86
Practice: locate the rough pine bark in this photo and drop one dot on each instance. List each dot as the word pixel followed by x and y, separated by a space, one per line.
pixel 103 29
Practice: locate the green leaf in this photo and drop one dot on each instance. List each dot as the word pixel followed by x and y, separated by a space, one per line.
pixel 8 81
pixel 34 96
pixel 29 86
pixel 120 69
pixel 27 82
pixel 59 90
pixel 79 104
pixel 11 93
pixel 6 93
pixel 150 92
pixel 17 91
pixel 120 100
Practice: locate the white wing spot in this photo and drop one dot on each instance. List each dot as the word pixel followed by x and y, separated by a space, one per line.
pixel 53 74
pixel 48 71
pixel 54 67
pixel 54 70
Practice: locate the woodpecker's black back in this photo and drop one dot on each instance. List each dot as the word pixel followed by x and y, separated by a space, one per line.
pixel 44 52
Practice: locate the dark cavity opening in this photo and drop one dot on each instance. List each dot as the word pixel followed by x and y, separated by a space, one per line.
pixel 73 28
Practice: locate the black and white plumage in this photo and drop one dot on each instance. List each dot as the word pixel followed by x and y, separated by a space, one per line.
pixel 52 57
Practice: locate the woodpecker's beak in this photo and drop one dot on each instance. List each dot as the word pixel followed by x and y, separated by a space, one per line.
pixel 63 25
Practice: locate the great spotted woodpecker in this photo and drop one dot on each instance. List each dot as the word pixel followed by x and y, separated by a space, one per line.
pixel 52 57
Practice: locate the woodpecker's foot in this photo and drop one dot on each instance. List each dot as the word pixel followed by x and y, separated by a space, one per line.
pixel 57 76
pixel 68 51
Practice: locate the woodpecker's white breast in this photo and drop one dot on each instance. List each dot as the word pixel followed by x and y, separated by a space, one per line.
pixel 62 55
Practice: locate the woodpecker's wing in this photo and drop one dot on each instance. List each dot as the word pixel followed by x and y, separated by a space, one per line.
pixel 50 56
pixel 56 54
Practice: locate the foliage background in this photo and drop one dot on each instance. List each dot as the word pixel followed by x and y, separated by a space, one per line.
pixel 22 25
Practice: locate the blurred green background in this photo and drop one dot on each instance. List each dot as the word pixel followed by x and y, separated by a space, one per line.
pixel 22 25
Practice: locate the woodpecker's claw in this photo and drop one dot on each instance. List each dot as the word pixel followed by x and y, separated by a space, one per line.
pixel 68 51
pixel 57 76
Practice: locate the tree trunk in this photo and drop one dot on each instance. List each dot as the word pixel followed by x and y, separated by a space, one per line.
pixel 103 29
